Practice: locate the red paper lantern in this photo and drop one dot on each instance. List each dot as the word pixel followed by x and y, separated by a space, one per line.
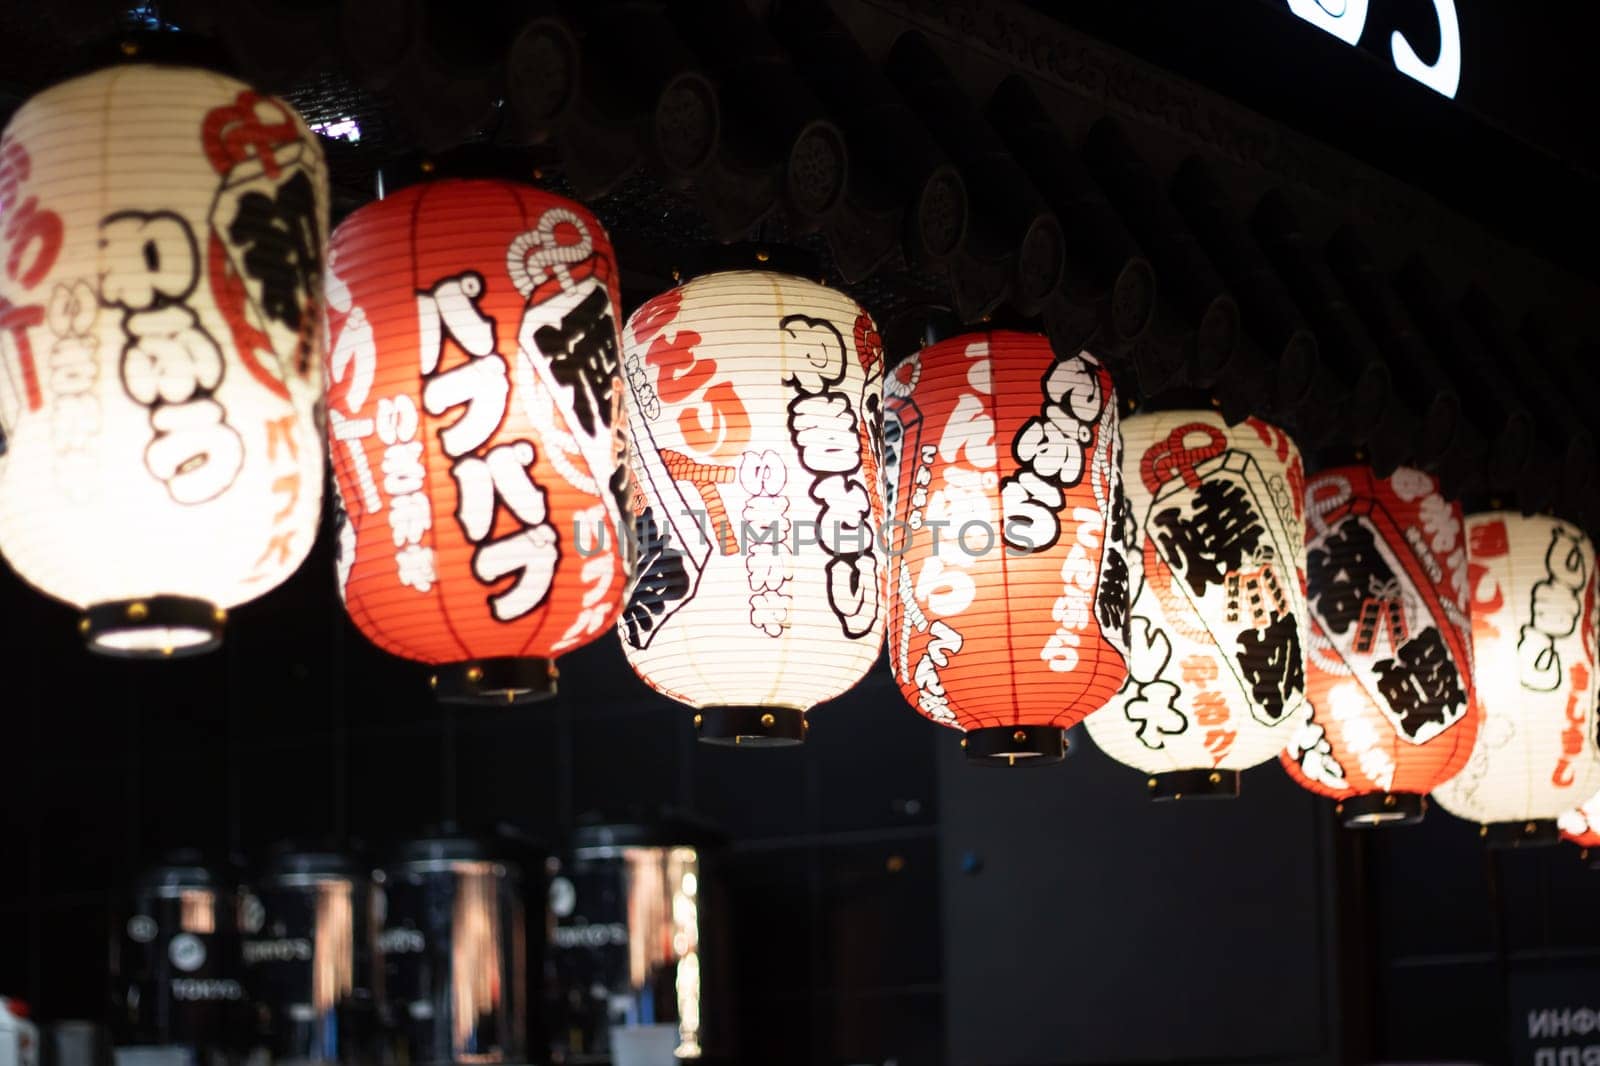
pixel 1389 664
pixel 1008 599
pixel 473 418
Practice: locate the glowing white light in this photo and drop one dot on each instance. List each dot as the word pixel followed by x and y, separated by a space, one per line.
pixel 347 129
pixel 1346 19
pixel 161 365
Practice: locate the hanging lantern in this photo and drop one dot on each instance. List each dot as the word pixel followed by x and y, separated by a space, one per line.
pixel 1533 652
pixel 1006 578
pixel 473 415
pixel 1216 667
pixel 160 330
pixel 753 416
pixel 1390 714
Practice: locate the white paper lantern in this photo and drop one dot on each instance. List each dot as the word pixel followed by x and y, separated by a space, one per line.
pixel 1217 622
pixel 753 414
pixel 160 302
pixel 1533 639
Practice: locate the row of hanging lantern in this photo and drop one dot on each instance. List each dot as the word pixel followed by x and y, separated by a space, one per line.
pixel 730 480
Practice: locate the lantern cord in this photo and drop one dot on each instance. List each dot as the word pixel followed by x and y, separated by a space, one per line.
pixel 447 767
pixel 1491 880
pixel 341 730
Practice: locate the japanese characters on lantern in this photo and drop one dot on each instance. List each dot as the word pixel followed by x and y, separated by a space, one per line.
pixel 754 423
pixel 1390 712
pixel 160 332
pixel 1532 583
pixel 473 415
pixel 1216 662
pixel 1006 579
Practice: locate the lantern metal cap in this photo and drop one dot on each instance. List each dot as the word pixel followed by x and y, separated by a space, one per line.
pixel 1534 833
pixel 496 682
pixel 1194 784
pixel 1015 745
pixel 153 627
pixel 751 727
pixel 1376 809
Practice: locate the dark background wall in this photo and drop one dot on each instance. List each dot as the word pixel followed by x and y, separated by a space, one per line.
pixel 299 728
pixel 892 903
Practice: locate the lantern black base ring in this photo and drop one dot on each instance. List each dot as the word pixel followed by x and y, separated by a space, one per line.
pixel 1194 784
pixel 495 682
pixel 750 727
pixel 1538 833
pixel 1015 745
pixel 1382 808
pixel 155 627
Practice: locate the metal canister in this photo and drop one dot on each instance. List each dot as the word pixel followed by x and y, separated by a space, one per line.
pixel 454 942
pixel 305 942
pixel 174 960
pixel 635 927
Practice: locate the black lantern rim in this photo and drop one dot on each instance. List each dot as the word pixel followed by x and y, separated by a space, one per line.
pixel 1374 810
pixel 500 682
pixel 153 627
pixel 1534 833
pixel 1194 784
pixel 1008 746
pixel 750 727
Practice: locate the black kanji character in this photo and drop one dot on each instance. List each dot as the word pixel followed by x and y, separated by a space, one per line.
pixel 1424 686
pixel 1270 660
pixel 662 581
pixel 1217 538
pixel 1111 603
pixel 282 249
pixel 583 357
pixel 1344 572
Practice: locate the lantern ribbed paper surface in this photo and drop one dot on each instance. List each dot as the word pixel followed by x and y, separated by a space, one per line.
pixel 753 418
pixel 473 414
pixel 1216 633
pixel 160 330
pixel 1533 645
pixel 1007 598
pixel 1390 711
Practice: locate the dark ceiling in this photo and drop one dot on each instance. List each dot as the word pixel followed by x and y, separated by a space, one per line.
pixel 1002 161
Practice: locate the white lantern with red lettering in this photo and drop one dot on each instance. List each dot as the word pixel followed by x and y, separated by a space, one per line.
pixel 754 421
pixel 1216 661
pixel 160 330
pixel 1533 657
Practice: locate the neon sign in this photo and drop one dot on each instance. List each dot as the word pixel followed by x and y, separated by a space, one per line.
pixel 1346 19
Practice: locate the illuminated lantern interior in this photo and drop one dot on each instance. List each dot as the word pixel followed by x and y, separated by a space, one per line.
pixel 1007 597
pixel 162 252
pixel 474 424
pixel 1217 622
pixel 754 423
pixel 1390 714
pixel 1532 584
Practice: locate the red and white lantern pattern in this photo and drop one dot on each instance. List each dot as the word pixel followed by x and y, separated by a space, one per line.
pixel 1391 713
pixel 1533 589
pixel 1216 666
pixel 474 419
pixel 753 418
pixel 1007 582
pixel 161 347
